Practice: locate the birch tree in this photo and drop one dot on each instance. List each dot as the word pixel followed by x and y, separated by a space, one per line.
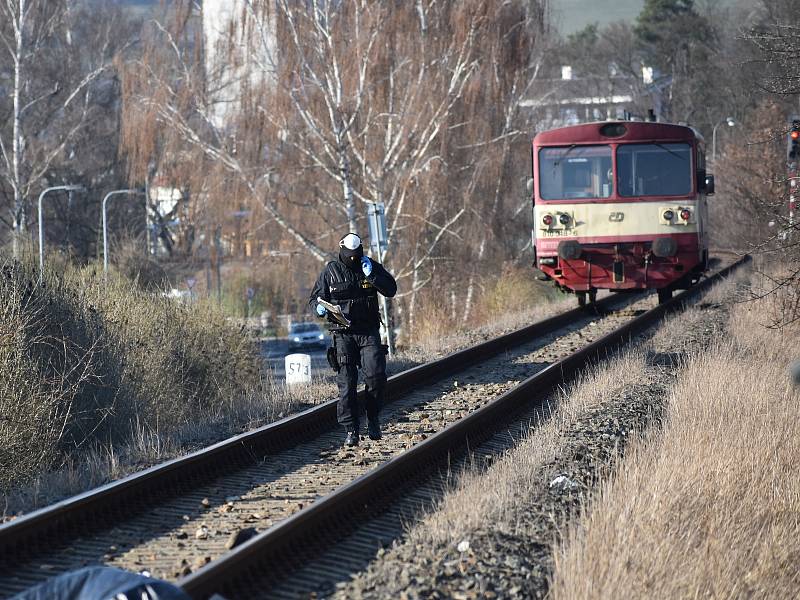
pixel 48 101
pixel 343 104
pixel 318 117
pixel 375 88
pixel 431 113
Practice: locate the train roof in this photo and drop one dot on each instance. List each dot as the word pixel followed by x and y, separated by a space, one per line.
pixel 634 131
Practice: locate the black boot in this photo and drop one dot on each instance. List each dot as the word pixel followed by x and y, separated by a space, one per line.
pixel 352 436
pixel 374 429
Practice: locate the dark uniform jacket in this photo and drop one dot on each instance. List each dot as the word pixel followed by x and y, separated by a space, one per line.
pixel 355 293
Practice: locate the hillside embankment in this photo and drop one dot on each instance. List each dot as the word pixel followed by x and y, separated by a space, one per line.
pixel 674 459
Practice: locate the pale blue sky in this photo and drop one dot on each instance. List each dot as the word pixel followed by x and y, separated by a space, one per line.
pixel 572 15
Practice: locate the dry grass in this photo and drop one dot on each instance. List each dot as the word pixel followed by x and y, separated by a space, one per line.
pixel 509 302
pixel 708 506
pixel 491 498
pixel 498 498
pixel 144 446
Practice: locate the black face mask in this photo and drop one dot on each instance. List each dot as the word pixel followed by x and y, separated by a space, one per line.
pixel 352 258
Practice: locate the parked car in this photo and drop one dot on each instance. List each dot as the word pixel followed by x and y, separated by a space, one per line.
pixel 306 335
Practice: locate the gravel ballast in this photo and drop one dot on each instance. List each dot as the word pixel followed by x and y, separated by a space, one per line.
pixel 507 553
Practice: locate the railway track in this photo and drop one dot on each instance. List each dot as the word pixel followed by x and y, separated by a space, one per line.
pixel 290 483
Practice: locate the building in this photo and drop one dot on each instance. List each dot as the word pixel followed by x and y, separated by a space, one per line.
pixel 239 49
pixel 576 97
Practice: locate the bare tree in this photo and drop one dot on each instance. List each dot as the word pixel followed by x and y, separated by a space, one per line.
pixel 48 103
pixel 776 41
pixel 405 122
pixel 517 60
pixel 413 105
pixel 177 115
pixel 375 115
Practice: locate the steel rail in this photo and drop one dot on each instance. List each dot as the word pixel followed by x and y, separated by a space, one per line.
pixel 370 491
pixel 85 513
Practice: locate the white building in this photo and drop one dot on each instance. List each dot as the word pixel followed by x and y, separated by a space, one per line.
pixel 581 97
pixel 240 49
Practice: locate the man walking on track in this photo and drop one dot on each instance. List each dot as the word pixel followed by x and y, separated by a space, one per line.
pixel 346 293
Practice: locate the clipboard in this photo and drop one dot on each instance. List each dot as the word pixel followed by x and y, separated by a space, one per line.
pixel 334 312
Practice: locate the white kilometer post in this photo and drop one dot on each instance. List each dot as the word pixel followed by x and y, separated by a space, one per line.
pixel 298 369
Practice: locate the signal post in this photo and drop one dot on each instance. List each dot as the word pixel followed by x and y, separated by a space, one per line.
pixel 793 155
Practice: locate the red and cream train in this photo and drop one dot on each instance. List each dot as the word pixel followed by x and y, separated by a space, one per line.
pixel 620 205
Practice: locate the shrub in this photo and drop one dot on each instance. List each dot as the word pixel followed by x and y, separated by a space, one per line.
pixel 506 301
pixel 515 290
pixel 145 271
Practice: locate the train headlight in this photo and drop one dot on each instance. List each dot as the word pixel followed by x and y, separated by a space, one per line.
pixel 563 219
pixel 685 214
pixel 547 220
pixel 668 215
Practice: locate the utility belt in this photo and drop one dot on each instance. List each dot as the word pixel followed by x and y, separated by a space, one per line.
pixel 332 354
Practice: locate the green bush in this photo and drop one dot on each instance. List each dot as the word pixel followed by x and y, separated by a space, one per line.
pixel 83 359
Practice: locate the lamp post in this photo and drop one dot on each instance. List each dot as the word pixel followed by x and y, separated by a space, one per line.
pixel 65 188
pixel 731 123
pixel 105 223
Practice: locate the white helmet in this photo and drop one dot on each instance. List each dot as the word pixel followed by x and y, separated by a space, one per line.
pixel 351 241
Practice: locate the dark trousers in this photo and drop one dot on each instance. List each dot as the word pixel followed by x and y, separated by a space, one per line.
pixel 354 350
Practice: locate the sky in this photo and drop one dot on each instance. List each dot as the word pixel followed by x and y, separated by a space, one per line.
pixel 573 15
pixel 569 15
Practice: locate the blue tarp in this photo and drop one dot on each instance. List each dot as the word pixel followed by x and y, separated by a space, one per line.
pixel 103 583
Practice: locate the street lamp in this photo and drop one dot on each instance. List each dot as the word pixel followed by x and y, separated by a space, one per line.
pixel 105 222
pixel 65 188
pixel 731 123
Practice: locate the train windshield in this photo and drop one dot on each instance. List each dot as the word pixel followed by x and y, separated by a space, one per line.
pixel 654 169
pixel 575 172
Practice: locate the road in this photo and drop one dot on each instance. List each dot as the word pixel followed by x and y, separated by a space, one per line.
pixel 274 351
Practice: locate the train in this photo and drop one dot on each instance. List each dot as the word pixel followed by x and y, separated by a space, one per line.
pixel 620 205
